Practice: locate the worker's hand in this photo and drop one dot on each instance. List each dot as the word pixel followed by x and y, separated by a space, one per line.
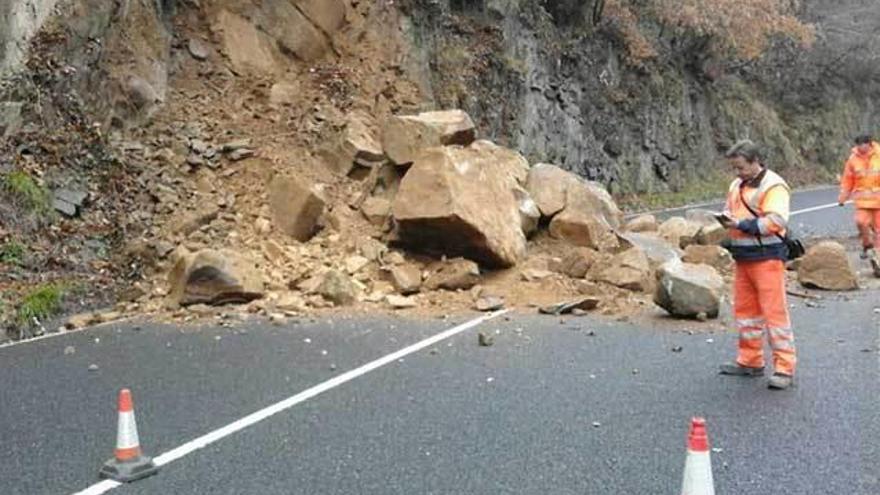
pixel 841 203
pixel 728 222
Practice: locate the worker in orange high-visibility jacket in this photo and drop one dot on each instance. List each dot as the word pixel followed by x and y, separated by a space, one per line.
pixel 756 215
pixel 861 182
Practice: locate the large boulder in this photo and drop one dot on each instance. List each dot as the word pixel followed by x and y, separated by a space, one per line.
pixel 213 277
pixel 356 144
pixel 714 256
pixel 597 197
pixel 296 206
pixel 547 184
pixel 404 136
pixel 628 270
pixel 580 225
pixel 826 266
pixel 461 202
pixel 555 190
pixel 688 291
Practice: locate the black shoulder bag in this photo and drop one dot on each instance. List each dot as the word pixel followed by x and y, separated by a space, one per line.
pixel 794 246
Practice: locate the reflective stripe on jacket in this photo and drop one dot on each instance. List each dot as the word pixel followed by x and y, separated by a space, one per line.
pixel 769 196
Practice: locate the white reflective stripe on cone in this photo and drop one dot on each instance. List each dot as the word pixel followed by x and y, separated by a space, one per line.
pixel 698 474
pixel 126 433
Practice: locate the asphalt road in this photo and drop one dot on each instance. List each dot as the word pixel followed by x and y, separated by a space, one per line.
pixel 556 406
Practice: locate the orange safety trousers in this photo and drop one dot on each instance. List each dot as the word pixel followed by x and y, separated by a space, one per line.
pixel 868 222
pixel 759 305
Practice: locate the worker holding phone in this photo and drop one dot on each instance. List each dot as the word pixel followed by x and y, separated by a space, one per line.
pixel 756 215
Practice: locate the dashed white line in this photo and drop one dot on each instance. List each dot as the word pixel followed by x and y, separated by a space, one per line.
pixel 256 417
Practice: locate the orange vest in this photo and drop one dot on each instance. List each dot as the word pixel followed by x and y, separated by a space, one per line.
pixel 861 178
pixel 769 198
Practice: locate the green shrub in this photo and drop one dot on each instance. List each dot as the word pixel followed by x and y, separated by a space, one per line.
pixel 41 303
pixel 28 191
pixel 12 253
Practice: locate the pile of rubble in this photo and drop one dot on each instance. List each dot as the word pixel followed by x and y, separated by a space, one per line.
pixel 432 220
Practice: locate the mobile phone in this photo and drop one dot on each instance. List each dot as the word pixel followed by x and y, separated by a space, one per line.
pixel 722 218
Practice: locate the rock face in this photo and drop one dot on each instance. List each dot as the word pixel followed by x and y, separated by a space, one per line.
pixel 629 270
pixel 441 205
pixel 214 277
pixel 714 256
pixel 687 290
pixel 826 266
pixel 403 137
pixel 296 207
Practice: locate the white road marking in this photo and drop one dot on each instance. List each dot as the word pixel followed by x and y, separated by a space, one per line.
pixel 66 332
pixel 256 417
pixel 817 208
pixel 716 202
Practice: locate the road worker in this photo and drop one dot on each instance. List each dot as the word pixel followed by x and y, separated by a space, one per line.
pixel 861 182
pixel 756 216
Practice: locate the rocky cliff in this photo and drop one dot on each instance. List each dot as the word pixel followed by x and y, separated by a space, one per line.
pixel 541 76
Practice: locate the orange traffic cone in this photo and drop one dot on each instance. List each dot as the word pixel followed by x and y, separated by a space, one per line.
pixel 698 466
pixel 128 462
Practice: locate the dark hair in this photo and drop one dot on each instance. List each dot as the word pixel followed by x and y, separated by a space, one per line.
pixel 745 148
pixel 863 139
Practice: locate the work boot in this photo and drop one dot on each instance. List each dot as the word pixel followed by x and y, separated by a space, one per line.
pixel 735 369
pixel 779 381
